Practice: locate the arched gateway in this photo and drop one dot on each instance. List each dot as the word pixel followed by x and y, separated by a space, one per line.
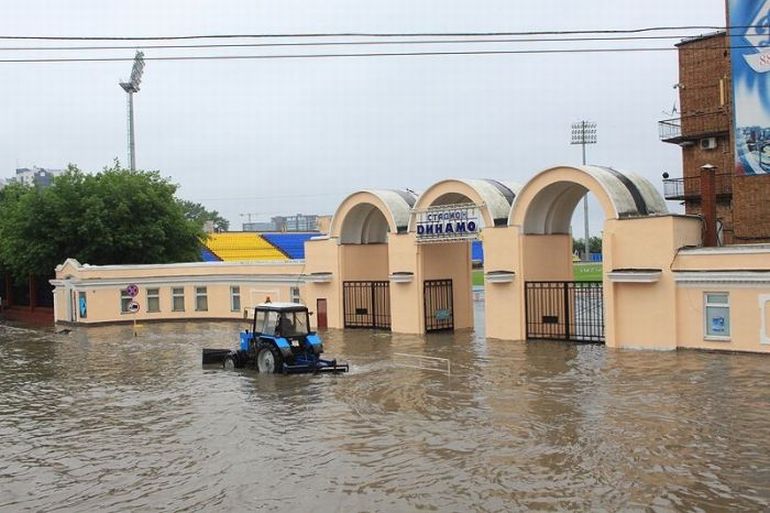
pixel 393 260
pixel 348 270
pixel 539 274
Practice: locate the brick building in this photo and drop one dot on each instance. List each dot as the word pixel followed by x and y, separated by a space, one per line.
pixel 705 133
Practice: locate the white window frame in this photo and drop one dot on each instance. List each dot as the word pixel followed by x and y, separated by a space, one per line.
pixel 202 292
pixel 156 296
pixel 707 305
pixel 174 296
pixel 296 297
pixel 125 300
pixel 235 293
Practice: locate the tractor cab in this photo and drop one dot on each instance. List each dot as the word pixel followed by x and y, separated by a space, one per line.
pixel 287 320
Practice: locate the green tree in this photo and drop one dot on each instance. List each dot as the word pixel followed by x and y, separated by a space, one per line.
pixel 113 217
pixel 198 213
pixel 594 245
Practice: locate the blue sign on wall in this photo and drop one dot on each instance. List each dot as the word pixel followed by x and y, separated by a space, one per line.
pixel 750 55
pixel 448 222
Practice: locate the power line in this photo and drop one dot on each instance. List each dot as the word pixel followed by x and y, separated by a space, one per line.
pixel 373 34
pixel 346 43
pixel 367 54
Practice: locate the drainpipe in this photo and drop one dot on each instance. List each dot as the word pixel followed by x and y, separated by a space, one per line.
pixel 709 204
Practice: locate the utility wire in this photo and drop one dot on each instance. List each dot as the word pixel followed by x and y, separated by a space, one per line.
pixel 346 43
pixel 373 34
pixel 368 54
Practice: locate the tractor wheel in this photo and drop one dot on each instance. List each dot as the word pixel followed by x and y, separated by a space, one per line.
pixel 229 363
pixel 269 359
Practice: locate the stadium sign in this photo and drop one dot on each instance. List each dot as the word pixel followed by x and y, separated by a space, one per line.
pixel 446 223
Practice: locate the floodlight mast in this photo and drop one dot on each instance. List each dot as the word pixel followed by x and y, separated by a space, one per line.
pixel 131 87
pixel 584 132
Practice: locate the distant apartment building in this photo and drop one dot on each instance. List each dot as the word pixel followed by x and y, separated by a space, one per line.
pixel 37 176
pixel 295 223
pixel 705 132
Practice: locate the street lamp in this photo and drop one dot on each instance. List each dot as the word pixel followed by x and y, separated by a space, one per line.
pixel 584 132
pixel 131 87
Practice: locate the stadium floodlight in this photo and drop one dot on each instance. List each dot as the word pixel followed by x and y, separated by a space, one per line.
pixel 584 132
pixel 131 87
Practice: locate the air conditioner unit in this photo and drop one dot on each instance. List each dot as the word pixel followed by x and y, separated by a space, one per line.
pixel 709 143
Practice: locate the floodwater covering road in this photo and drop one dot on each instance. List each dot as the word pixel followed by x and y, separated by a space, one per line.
pixel 99 420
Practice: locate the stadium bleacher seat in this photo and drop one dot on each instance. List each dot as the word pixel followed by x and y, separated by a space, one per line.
pixel 242 246
pixel 292 244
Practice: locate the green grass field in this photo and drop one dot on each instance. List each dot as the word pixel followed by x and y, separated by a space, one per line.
pixel 583 271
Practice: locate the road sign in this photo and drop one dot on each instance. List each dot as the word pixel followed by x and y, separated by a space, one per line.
pixel 133 307
pixel 132 290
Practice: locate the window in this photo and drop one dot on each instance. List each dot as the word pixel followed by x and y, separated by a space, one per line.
pixel 82 305
pixel 717 313
pixel 201 299
pixel 267 322
pixel 125 300
pixel 153 300
pixel 295 295
pixel 177 299
pixel 235 299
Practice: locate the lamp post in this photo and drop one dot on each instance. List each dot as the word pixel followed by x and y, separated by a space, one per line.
pixel 584 132
pixel 131 87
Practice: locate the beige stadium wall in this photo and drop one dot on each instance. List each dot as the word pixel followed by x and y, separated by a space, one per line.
pixel 502 307
pixel 368 262
pixel 643 314
pixel 102 286
pixel 743 272
pixel 406 307
pixel 451 261
pixel 322 257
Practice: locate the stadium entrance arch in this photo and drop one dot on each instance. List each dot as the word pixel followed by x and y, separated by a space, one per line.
pixel 447 217
pixel 547 302
pixel 350 267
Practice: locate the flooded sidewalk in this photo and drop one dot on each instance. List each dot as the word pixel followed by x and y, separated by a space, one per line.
pixel 98 419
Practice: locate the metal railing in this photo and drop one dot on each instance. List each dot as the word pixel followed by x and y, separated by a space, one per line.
pixel 690 187
pixel 693 126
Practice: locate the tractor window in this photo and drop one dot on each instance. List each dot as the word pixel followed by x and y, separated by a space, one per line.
pixel 293 324
pixel 266 322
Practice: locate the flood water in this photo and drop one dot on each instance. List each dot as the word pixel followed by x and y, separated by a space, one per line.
pixel 100 420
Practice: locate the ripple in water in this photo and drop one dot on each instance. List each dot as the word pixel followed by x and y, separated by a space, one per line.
pixel 101 420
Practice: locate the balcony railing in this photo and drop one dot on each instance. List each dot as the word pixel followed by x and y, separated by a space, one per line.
pixel 694 126
pixel 689 187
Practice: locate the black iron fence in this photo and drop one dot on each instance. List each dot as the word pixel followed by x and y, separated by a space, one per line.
pixel 439 307
pixel 366 304
pixel 565 310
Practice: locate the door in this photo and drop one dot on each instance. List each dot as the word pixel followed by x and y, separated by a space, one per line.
pixel 320 311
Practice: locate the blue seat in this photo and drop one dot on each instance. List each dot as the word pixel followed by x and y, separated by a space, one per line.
pixel 292 244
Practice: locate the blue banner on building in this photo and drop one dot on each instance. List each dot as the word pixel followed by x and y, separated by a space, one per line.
pixel 750 55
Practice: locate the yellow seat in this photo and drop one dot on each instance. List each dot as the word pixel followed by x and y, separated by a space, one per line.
pixel 242 247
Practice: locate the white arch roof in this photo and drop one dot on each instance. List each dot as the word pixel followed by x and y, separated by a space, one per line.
pixel 360 222
pixel 550 209
pixel 495 196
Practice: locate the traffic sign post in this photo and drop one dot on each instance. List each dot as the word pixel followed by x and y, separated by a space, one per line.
pixel 133 307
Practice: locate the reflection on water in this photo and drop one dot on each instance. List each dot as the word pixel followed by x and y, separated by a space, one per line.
pixel 101 420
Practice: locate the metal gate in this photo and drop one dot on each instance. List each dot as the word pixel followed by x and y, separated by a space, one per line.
pixel 439 308
pixel 366 304
pixel 565 310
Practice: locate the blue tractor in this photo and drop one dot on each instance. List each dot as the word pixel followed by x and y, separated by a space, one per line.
pixel 280 341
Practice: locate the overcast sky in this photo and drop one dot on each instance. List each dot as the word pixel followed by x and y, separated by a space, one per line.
pixel 277 137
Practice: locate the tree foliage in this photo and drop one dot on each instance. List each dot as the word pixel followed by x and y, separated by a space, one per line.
pixel 198 213
pixel 113 217
pixel 594 245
